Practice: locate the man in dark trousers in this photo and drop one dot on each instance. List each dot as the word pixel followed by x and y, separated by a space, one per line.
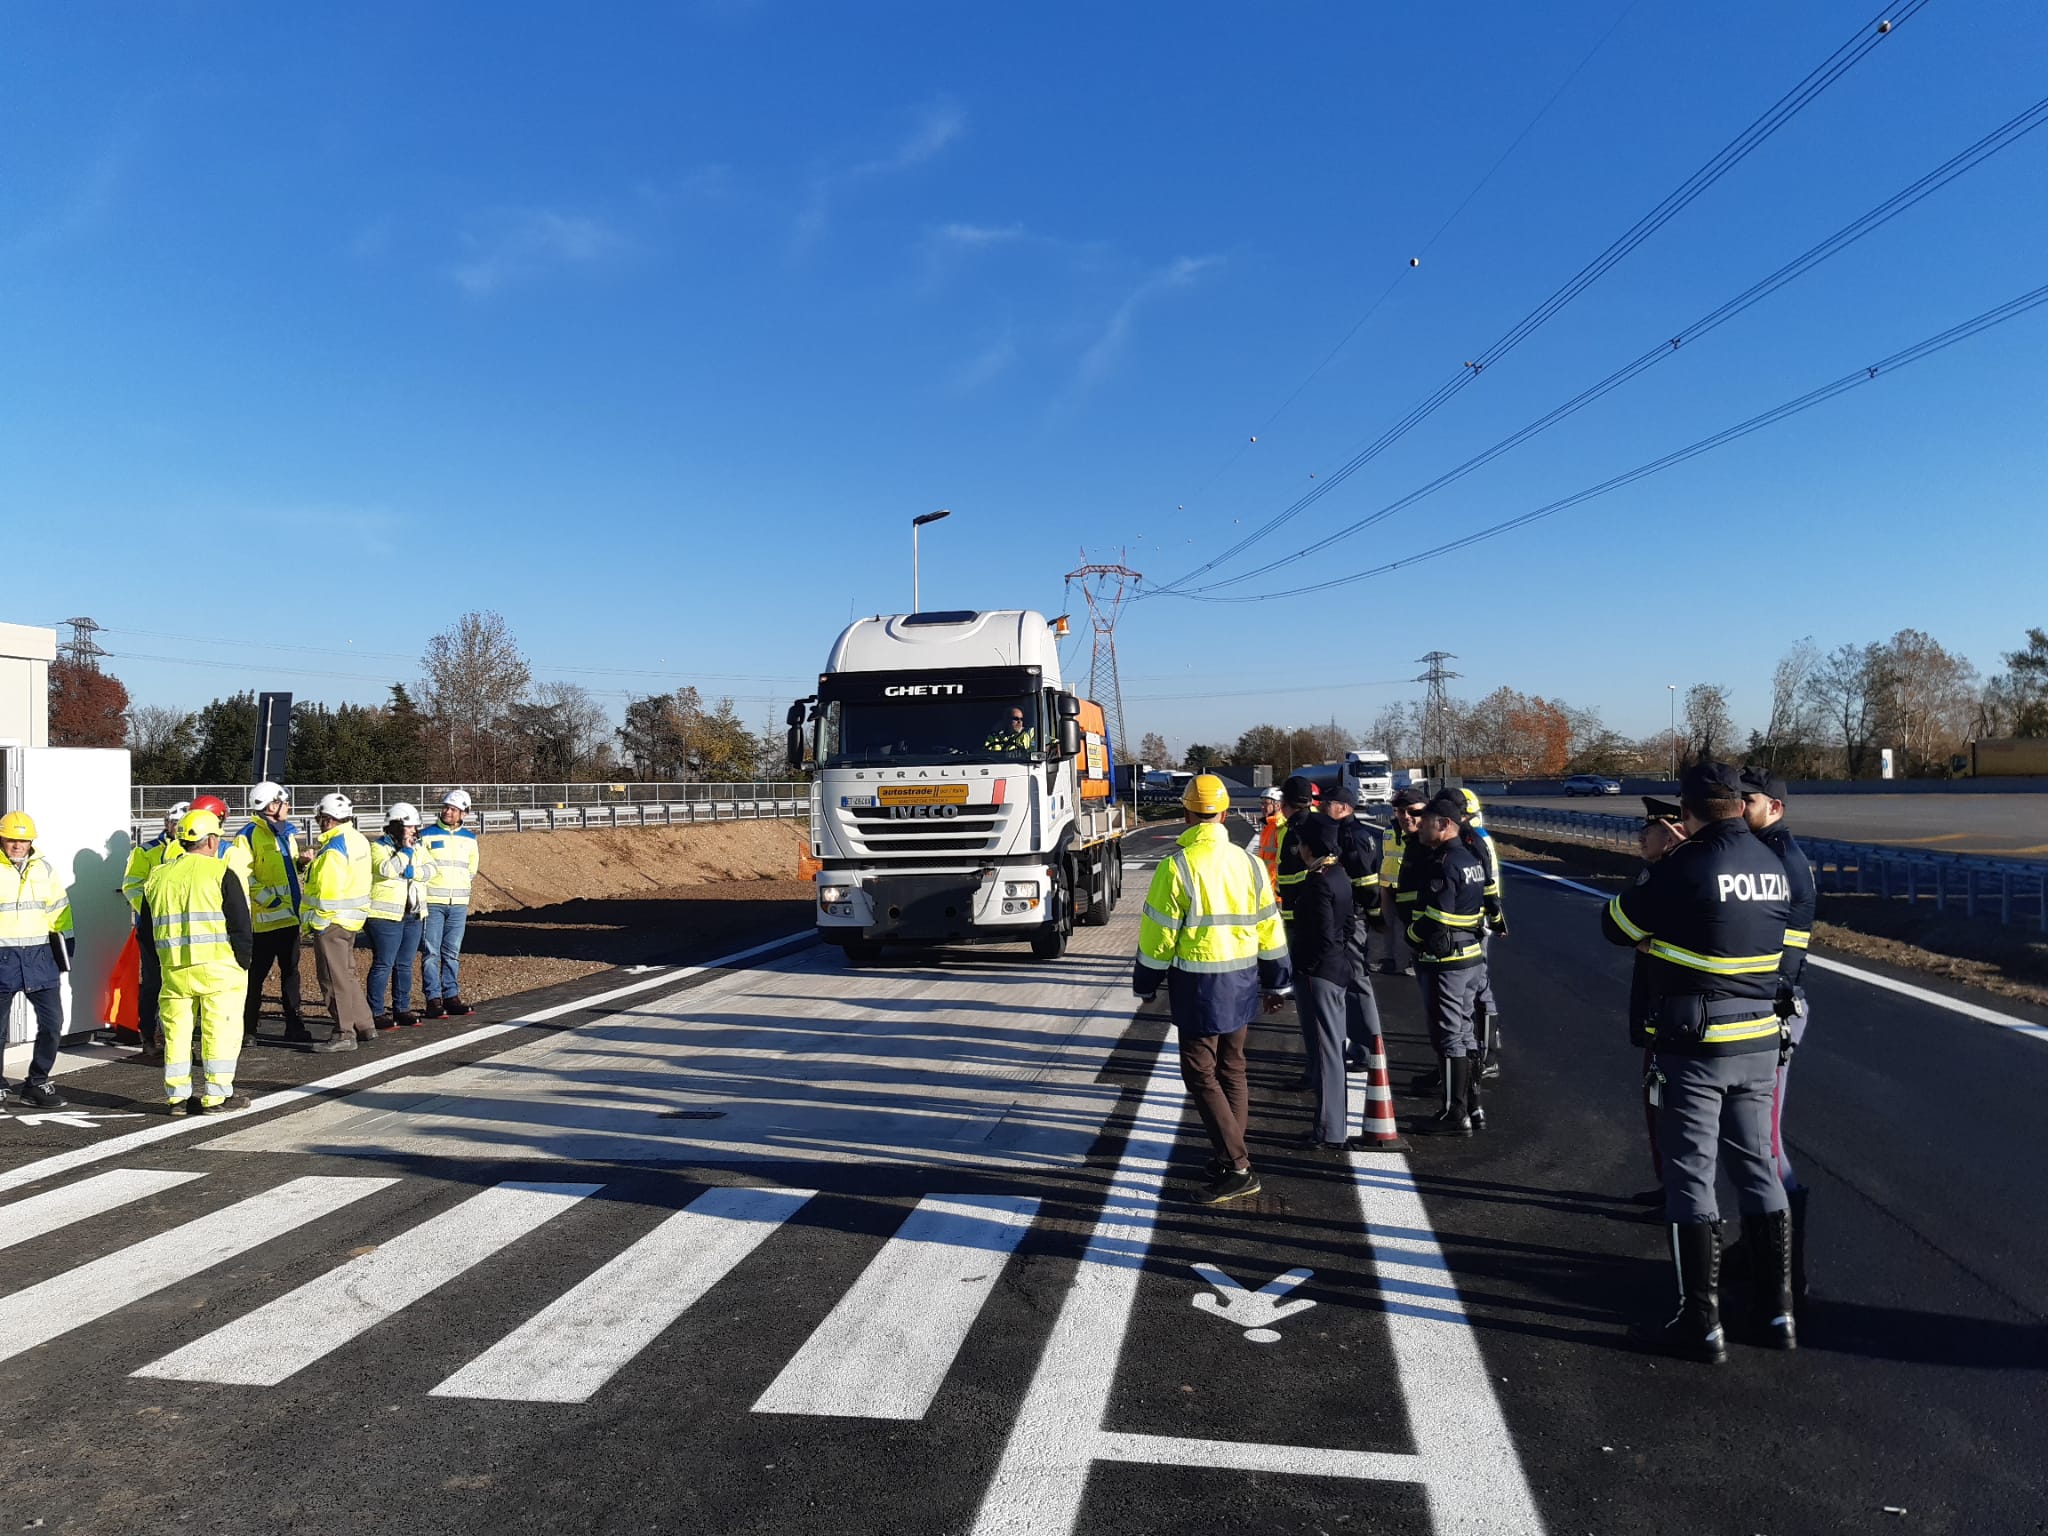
pixel 1319 950
pixel 1358 844
pixel 1709 919
pixel 1763 807
pixel 1448 884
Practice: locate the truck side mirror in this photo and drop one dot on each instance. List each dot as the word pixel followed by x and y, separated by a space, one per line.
pixel 1069 707
pixel 1070 737
pixel 796 746
pixel 795 717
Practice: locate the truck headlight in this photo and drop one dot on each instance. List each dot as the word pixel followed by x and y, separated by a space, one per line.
pixel 1020 888
pixel 831 895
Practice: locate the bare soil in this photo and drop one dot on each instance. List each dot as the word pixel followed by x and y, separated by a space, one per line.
pixel 2010 961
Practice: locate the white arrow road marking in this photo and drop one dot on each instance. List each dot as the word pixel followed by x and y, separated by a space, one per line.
pixel 77 1119
pixel 1254 1311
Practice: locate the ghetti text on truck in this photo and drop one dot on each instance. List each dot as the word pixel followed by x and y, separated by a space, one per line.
pixel 960 791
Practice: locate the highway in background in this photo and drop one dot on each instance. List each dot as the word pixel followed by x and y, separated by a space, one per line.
pixel 2014 826
pixel 779 1246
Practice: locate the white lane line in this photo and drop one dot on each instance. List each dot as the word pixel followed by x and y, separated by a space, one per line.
pixel 1038 1484
pixel 38 1214
pixel 579 1341
pixel 1247 1456
pixel 885 1349
pixel 114 1146
pixel 91 1291
pixel 1956 1005
pixel 276 1341
pixel 1465 1456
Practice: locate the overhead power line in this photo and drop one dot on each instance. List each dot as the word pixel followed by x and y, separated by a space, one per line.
pixel 2012 309
pixel 2005 135
pixel 1719 164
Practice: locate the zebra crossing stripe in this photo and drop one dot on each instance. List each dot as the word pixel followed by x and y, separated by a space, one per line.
pixel 92 1291
pixel 885 1349
pixel 569 1349
pixel 39 1214
pixel 283 1338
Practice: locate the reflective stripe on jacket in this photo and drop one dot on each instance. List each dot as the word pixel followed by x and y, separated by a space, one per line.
pixel 273 876
pixel 1210 928
pixel 455 857
pixel 1447 889
pixel 1805 900
pixel 142 862
pixel 398 879
pixel 338 882
pixel 32 903
pixel 188 908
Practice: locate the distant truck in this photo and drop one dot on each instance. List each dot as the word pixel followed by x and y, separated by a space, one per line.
pixel 2013 757
pixel 962 792
pixel 1365 769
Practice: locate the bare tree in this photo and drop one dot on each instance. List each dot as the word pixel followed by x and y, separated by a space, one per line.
pixel 1930 700
pixel 1848 686
pixel 472 676
pixel 1790 723
pixel 162 741
pixel 1152 751
pixel 1397 731
pixel 1707 723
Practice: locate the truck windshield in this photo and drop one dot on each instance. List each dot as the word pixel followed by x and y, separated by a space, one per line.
pixel 902 731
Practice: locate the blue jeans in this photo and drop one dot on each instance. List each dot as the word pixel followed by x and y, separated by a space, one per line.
pixel 441 949
pixel 48 1007
pixel 393 943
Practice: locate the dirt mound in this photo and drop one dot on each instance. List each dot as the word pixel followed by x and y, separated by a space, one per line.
pixel 540 869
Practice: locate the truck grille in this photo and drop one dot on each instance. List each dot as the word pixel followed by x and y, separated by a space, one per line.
pixel 871 829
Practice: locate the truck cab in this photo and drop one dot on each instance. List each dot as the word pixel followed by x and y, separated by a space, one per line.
pixel 961 792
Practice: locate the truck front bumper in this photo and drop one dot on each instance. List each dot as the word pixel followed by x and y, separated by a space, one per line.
pixel 931 906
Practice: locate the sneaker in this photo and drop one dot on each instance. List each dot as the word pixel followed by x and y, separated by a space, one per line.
pixel 457 1008
pixel 436 1008
pixel 338 1043
pixel 40 1095
pixel 1234 1185
pixel 232 1101
pixel 407 1018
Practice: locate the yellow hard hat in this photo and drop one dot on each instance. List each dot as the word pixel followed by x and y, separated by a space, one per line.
pixel 1206 795
pixel 1471 802
pixel 18 824
pixel 195 826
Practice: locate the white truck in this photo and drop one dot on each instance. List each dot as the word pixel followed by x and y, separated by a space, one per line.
pixel 961 793
pixel 1365 769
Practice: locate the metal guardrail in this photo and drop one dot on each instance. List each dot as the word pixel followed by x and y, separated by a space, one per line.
pixel 581 818
pixel 2015 890
pixel 154 799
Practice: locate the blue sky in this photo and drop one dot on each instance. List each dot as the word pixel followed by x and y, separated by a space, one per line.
pixel 651 327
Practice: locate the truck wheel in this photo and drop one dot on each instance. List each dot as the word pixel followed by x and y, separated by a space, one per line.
pixel 862 952
pixel 1050 942
pixel 1099 898
pixel 1116 873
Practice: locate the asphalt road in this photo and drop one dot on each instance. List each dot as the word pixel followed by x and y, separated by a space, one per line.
pixel 2014 826
pixel 920 1260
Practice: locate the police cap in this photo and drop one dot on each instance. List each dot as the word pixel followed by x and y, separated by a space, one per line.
pixel 1410 799
pixel 1344 794
pixel 1448 804
pixel 1317 837
pixel 1660 810
pixel 1297 790
pixel 1711 781
pixel 1761 781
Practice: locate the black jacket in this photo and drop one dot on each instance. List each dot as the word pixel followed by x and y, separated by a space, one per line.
pixel 1319 935
pixel 1805 899
pixel 1449 897
pixel 1710 918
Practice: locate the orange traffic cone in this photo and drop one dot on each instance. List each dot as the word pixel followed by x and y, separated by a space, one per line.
pixel 1380 1133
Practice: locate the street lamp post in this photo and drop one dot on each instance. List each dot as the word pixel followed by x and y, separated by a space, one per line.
pixel 915 524
pixel 1672 689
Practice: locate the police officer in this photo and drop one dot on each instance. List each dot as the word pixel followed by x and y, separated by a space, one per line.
pixel 1211 935
pixel 1402 816
pixel 1358 846
pixel 1319 951
pixel 1763 807
pixel 1297 799
pixel 1709 918
pixel 1479 843
pixel 1448 906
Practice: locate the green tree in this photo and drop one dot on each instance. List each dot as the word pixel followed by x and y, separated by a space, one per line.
pixel 227 740
pixel 402 734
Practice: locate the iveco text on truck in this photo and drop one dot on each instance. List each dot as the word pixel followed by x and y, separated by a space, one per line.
pixel 961 790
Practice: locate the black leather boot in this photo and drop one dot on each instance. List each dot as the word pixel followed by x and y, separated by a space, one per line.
pixel 1452 1119
pixel 1474 1111
pixel 1489 1049
pixel 1769 1240
pixel 1798 1199
pixel 1694 1331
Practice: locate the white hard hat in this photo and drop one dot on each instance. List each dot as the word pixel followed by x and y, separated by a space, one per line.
pixel 405 812
pixel 264 794
pixel 1269 794
pixel 177 810
pixel 338 806
pixel 459 798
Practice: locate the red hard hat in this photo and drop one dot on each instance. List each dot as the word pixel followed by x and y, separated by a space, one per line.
pixel 212 803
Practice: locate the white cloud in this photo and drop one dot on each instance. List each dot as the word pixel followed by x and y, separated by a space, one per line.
pixel 520 244
pixel 990 363
pixel 976 237
pixel 1109 344
pixel 937 126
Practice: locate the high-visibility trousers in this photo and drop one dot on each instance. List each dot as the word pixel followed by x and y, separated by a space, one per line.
pixel 218 1016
